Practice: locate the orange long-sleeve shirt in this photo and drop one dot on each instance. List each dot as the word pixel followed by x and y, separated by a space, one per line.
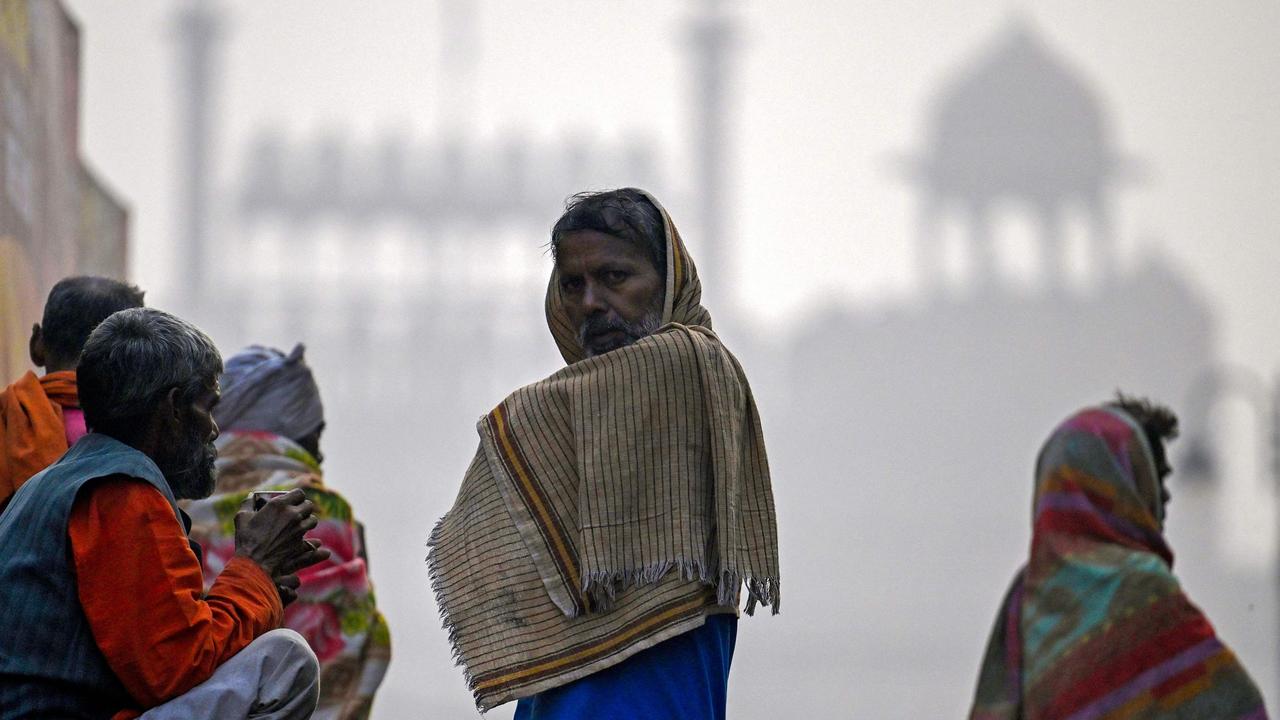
pixel 141 588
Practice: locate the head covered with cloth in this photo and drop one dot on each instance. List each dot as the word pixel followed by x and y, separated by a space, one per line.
pixel 271 420
pixel 621 501
pixel 1096 625
pixel 265 390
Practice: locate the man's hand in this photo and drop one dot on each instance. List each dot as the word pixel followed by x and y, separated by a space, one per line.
pixel 288 584
pixel 273 538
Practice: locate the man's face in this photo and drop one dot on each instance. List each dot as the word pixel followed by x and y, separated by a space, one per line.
pixel 611 290
pixel 187 460
pixel 311 443
pixel 1163 470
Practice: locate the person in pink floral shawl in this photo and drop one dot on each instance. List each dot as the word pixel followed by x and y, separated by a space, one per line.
pixel 271 419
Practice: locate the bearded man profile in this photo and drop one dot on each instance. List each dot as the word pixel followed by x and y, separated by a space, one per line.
pixel 101 590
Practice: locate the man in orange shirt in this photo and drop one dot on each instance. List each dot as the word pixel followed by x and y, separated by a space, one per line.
pixel 40 417
pixel 101 589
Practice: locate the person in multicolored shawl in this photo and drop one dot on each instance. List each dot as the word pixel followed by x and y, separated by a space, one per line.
pixel 1096 625
pixel 271 420
pixel 593 563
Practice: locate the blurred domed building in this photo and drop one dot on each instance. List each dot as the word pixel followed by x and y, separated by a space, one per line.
pixel 1018 125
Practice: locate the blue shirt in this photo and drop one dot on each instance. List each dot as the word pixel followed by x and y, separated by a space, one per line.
pixel 684 678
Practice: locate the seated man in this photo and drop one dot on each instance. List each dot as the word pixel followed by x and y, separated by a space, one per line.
pixel 40 417
pixel 101 592
pixel 271 418
pixel 1096 625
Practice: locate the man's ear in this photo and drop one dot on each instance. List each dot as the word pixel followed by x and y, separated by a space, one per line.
pixel 36 348
pixel 171 405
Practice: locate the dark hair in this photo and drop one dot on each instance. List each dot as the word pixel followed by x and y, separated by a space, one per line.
pixel 625 213
pixel 1157 421
pixel 132 359
pixel 75 307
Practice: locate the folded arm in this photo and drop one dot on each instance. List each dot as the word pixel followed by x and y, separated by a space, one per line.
pixel 141 586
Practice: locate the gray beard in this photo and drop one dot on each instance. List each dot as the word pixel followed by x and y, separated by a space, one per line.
pixel 645 327
pixel 189 469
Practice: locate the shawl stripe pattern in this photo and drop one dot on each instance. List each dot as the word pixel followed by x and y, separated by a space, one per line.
pixel 548 523
pixel 508 635
pixel 609 507
pixel 655 620
pixel 1096 625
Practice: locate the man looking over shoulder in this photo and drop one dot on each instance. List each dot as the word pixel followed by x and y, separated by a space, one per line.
pixel 40 416
pixel 102 595
pixel 593 563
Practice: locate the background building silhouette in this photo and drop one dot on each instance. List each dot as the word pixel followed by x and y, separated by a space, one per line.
pixel 1018 125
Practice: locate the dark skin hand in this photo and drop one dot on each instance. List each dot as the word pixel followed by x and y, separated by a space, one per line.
pixel 273 538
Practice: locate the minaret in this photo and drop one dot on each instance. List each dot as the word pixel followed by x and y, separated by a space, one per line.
pixel 198 28
pixel 712 34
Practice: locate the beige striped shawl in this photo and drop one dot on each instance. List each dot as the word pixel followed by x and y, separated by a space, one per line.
pixel 609 507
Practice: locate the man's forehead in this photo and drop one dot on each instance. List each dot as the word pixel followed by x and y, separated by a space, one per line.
pixel 591 247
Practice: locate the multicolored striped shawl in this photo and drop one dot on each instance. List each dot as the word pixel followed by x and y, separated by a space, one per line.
pixel 336 610
pixel 611 506
pixel 1096 625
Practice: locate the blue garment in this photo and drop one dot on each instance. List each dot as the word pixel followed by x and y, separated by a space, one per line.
pixel 50 665
pixel 684 678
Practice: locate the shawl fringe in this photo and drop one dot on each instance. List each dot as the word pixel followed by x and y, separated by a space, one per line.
pixel 603 586
pixel 442 605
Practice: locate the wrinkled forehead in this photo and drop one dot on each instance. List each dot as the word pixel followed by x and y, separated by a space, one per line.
pixel 579 251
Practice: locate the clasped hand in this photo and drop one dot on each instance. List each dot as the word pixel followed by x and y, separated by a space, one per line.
pixel 273 538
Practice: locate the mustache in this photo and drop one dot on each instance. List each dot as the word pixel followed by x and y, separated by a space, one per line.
pixel 605 323
pixel 601 324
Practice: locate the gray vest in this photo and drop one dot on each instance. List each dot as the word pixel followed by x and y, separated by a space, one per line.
pixel 50 665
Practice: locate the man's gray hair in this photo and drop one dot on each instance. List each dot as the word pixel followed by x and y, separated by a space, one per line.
pixel 626 213
pixel 133 359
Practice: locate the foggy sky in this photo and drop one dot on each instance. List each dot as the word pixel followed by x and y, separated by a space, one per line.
pixel 829 96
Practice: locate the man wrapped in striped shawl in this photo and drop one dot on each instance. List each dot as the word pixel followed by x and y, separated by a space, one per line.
pixel 593 562
pixel 1096 626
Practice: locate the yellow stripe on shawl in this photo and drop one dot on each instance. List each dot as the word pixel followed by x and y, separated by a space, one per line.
pixel 609 644
pixel 1058 480
pixel 1224 658
pixel 539 505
